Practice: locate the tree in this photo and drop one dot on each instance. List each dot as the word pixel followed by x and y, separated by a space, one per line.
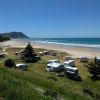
pixel 95 60
pixel 28 54
pixel 4 38
pixel 9 63
pixel 28 50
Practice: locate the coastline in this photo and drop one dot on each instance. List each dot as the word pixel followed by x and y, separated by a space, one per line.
pixel 76 51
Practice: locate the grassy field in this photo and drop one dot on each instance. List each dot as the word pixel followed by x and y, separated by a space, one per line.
pixel 32 84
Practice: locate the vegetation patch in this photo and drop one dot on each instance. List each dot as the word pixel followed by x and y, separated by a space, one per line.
pixel 52 78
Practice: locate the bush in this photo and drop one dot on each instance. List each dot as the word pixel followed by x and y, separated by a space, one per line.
pixel 9 63
pixel 94 69
pixel 50 93
pixel 88 91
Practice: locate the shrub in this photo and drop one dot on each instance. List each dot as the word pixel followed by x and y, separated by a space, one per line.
pixel 9 63
pixel 50 93
pixel 88 91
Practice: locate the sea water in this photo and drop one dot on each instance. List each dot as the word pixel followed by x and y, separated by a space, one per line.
pixel 80 42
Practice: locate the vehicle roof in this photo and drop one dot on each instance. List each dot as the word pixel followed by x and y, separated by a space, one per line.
pixel 53 60
pixel 54 64
pixel 1 53
pixel 69 61
pixel 21 64
pixel 41 52
pixel 45 51
pixel 97 57
pixel 69 67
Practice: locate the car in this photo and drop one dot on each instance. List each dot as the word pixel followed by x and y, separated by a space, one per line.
pixel 21 66
pixel 73 76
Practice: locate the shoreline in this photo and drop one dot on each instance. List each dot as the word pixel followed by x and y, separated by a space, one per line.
pixel 73 50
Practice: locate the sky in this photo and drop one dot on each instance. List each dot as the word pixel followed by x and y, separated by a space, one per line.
pixel 51 18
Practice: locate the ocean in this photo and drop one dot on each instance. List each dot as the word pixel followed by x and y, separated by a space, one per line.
pixel 80 42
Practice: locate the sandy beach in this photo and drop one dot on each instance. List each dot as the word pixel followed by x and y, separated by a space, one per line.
pixel 74 51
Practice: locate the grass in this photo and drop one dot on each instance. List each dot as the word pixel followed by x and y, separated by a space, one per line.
pixel 30 85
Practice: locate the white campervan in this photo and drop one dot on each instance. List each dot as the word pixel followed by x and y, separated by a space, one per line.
pixel 54 67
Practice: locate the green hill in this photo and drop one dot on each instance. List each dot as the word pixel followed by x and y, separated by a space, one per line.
pixel 14 35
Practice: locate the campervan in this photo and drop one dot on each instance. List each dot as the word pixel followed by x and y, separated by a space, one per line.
pixel 55 67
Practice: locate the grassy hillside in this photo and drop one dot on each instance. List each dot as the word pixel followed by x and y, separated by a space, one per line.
pixel 32 84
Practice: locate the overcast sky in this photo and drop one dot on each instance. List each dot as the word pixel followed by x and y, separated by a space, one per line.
pixel 51 18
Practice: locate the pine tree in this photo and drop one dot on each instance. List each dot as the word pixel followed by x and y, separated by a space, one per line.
pixel 28 50
pixel 29 55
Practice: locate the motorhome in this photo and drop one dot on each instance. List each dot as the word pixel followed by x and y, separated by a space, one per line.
pixel 55 67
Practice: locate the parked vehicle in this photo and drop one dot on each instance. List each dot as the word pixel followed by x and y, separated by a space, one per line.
pixel 69 63
pixel 46 52
pixel 2 54
pixel 21 66
pixel 53 53
pixel 41 53
pixel 73 76
pixel 72 72
pixel 97 60
pixel 55 67
pixel 68 58
pixel 84 59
